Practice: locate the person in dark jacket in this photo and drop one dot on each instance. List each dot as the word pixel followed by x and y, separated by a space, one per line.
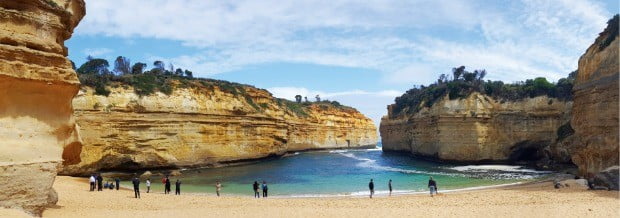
pixel 177 187
pixel 371 186
pixel 255 187
pixel 265 189
pixel 99 182
pixel 136 186
pixel 390 186
pixel 167 188
pixel 118 183
pixel 432 185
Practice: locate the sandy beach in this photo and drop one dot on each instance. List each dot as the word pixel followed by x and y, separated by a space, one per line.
pixel 529 200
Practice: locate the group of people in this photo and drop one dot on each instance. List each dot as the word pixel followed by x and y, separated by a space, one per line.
pixel 166 182
pixel 256 187
pixel 96 182
pixel 432 186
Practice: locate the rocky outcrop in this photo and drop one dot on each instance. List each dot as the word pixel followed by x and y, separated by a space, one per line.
pixel 37 84
pixel 476 129
pixel 595 108
pixel 203 127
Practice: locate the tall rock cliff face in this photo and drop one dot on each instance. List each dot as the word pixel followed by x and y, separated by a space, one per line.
pixel 477 129
pixel 37 84
pixel 202 127
pixel 595 111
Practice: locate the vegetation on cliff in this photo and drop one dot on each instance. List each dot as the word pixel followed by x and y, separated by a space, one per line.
pixel 463 83
pixel 95 73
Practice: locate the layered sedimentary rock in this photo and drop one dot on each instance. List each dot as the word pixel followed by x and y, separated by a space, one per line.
pixel 595 108
pixel 202 127
pixel 476 128
pixel 37 84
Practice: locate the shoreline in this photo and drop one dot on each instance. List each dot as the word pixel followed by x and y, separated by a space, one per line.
pixel 536 199
pixel 357 194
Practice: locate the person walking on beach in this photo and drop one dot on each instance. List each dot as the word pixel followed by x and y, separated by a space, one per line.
pixel 167 185
pixel 255 187
pixel 390 186
pixel 432 185
pixel 177 187
pixel 99 182
pixel 92 181
pixel 218 187
pixel 148 185
pixel 136 186
pixel 265 189
pixel 371 186
pixel 118 183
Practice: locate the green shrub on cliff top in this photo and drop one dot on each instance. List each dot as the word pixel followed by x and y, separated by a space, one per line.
pixel 94 73
pixel 464 83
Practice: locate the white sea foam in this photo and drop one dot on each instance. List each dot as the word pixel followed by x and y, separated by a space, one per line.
pixel 369 163
pixel 496 168
pixel 475 171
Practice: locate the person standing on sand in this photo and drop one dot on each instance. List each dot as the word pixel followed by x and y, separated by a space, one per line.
pixel 390 186
pixel 265 189
pixel 92 181
pixel 177 187
pixel 148 185
pixel 218 187
pixel 118 183
pixel 432 185
pixel 136 186
pixel 167 187
pixel 371 186
pixel 255 187
pixel 99 182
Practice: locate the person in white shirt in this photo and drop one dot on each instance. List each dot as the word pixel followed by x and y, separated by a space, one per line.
pixel 148 185
pixel 92 183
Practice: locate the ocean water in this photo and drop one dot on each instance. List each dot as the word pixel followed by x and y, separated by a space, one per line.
pixel 347 173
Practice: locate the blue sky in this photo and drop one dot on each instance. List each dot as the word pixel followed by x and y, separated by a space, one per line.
pixel 361 53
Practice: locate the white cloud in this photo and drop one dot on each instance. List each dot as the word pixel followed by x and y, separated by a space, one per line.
pixel 95 52
pixel 513 41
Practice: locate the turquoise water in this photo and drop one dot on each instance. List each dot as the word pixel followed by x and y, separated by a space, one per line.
pixel 347 173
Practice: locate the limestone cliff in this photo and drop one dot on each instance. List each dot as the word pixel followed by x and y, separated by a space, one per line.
pixel 198 126
pixel 476 128
pixel 595 108
pixel 37 84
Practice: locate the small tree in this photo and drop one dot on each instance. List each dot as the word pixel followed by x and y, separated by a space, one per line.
pixel 159 65
pixel 189 74
pixel 318 99
pixel 122 65
pixel 138 68
pixel 178 72
pixel 94 66
pixel 457 72
pixel 298 98
pixel 306 98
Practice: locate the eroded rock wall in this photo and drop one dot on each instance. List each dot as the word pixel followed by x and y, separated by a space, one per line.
pixel 37 84
pixel 477 128
pixel 201 127
pixel 595 111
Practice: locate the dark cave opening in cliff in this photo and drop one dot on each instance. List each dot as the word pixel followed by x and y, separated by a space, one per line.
pixel 528 151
